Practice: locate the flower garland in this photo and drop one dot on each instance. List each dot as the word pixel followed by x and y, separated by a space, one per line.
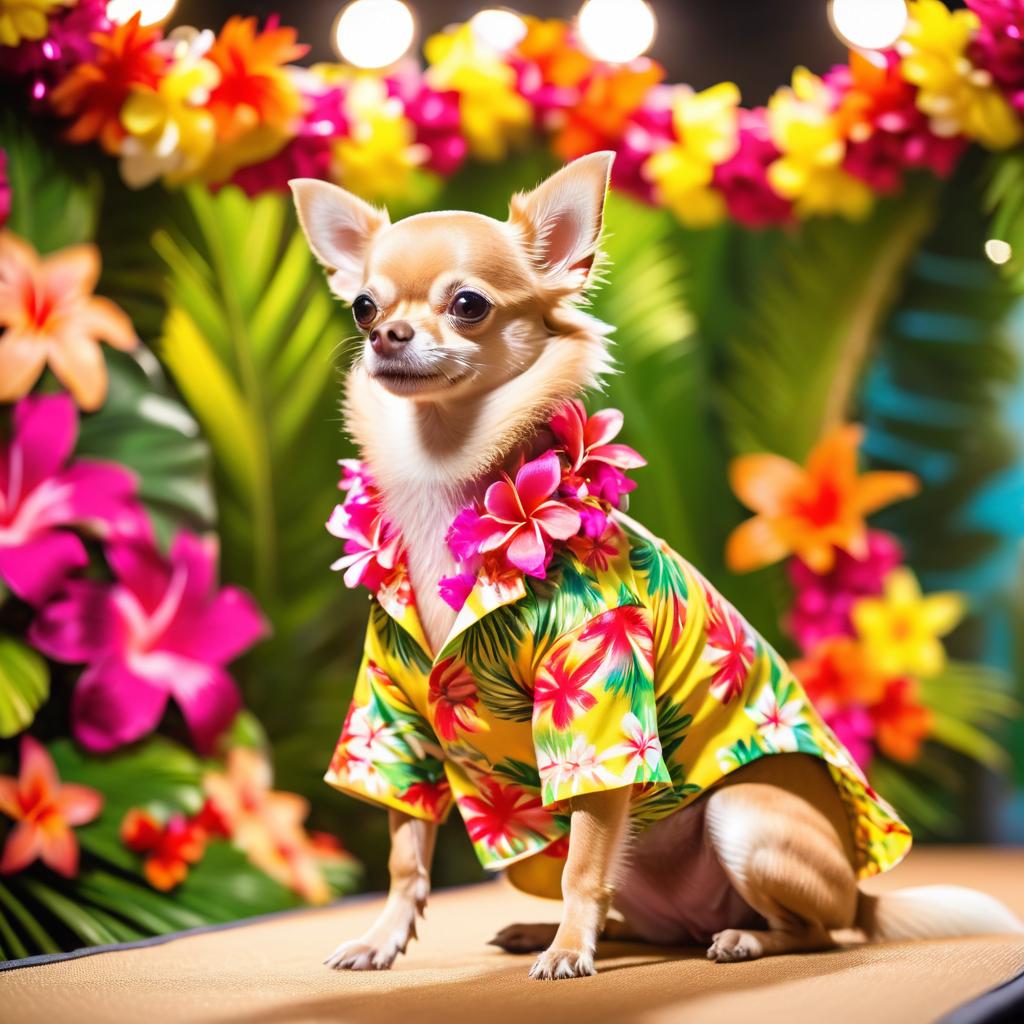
pixel 233 108
pixel 869 641
pixel 565 495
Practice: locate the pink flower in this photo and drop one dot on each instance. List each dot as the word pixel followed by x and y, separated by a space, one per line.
pixel 372 550
pixel 436 118
pixel 455 590
pixel 161 629
pixel 522 518
pixel 822 603
pixel 743 178
pixel 593 459
pixel 647 130
pixel 68 42
pixel 308 153
pixel 43 493
pixel 855 730
pixel 998 45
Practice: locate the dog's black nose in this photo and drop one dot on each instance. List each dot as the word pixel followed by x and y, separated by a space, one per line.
pixel 389 338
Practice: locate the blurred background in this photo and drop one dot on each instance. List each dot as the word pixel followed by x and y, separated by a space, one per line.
pixel 888 292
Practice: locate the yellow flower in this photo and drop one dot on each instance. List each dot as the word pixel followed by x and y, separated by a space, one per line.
pixel 26 19
pixel 494 115
pixel 379 155
pixel 706 127
pixel 901 629
pixel 807 133
pixel 956 96
pixel 169 131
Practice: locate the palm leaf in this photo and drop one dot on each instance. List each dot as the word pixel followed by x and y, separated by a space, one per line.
pixel 24 685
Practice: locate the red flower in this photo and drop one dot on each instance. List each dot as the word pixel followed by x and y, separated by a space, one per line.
pixel 596 552
pixel 729 648
pixel 94 92
pixel 431 796
pixel 502 814
pixel 45 809
pixel 453 699
pixel 170 848
pixel 902 722
pixel 564 689
pixel 623 635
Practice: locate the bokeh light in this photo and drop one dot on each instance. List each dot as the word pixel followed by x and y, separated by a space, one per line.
pixel 374 33
pixel 498 28
pixel 998 251
pixel 152 11
pixel 868 24
pixel 616 31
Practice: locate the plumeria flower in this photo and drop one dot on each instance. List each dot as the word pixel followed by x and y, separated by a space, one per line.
pixel 523 518
pixel 51 316
pixel 162 629
pixel 581 767
pixel 902 628
pixel 367 737
pixel 641 748
pixel 593 458
pixel 776 722
pixel 45 811
pixel 809 510
pixel 372 550
pixel 453 698
pixel 43 493
pixel 169 848
pixel 267 824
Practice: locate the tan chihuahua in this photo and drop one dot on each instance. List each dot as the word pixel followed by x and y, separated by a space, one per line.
pixel 473 336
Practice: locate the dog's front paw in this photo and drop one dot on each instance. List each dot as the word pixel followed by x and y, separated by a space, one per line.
pixel 524 938
pixel 364 955
pixel 554 964
pixel 733 946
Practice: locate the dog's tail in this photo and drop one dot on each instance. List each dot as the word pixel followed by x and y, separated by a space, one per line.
pixel 933 912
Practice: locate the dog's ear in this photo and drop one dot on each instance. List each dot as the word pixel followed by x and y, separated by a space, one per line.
pixel 339 228
pixel 561 219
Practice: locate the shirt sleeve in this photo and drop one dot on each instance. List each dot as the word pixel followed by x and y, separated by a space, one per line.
pixel 387 754
pixel 595 722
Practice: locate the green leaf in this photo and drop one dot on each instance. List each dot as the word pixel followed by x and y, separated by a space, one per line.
pixel 24 685
pixel 142 427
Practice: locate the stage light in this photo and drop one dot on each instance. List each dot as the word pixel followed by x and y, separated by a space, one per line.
pixel 499 29
pixel 998 251
pixel 152 11
pixel 374 33
pixel 868 24
pixel 616 31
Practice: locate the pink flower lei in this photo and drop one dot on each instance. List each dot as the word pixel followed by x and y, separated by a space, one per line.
pixel 562 497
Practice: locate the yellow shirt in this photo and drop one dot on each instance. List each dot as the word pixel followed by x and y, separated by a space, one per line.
pixel 622 667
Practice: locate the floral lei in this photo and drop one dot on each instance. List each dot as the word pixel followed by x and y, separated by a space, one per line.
pixel 564 496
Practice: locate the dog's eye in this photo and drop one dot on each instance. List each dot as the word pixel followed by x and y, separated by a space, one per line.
pixel 469 306
pixel 364 309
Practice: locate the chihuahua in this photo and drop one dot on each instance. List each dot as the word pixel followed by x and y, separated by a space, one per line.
pixel 473 335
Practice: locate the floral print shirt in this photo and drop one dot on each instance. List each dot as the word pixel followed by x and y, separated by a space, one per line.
pixel 616 665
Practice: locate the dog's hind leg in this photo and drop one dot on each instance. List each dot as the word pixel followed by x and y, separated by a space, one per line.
pixel 786 856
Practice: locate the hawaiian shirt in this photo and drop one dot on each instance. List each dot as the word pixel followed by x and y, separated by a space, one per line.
pixel 622 666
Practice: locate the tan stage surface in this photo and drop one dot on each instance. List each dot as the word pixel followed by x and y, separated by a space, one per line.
pixel 270 971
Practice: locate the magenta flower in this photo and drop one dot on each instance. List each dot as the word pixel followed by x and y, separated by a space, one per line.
pixel 593 460
pixel 647 130
pixel 522 517
pixel 68 42
pixel 998 45
pixel 308 153
pixel 454 590
pixel 372 549
pixel 855 730
pixel 436 118
pixel 743 178
pixel 162 629
pixel 43 495
pixel 822 604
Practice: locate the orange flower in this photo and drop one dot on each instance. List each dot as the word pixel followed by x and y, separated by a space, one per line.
pixel 838 673
pixel 609 99
pixel 94 92
pixel 548 44
pixel 267 825
pixel 45 810
pixel 254 89
pixel 51 316
pixel 902 722
pixel 876 89
pixel 170 848
pixel 809 511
